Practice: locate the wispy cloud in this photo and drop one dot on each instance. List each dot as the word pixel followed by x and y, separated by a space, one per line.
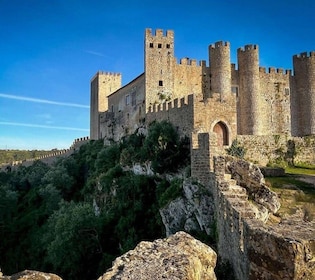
pixel 43 126
pixel 45 101
pixel 95 53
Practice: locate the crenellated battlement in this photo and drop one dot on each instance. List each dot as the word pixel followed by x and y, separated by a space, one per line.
pixel 188 61
pixel 159 33
pixel 247 48
pixel 48 158
pixel 304 55
pixel 273 70
pixel 220 44
pixel 110 74
pixel 173 104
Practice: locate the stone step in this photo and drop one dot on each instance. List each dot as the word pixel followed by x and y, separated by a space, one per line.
pixel 231 194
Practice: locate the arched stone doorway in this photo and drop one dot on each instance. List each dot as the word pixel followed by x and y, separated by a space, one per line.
pixel 222 133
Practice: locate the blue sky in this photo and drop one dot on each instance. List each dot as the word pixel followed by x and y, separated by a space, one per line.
pixel 50 50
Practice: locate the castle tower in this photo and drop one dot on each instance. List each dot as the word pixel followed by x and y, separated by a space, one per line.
pixel 249 113
pixel 159 66
pixel 220 68
pixel 102 85
pixel 303 109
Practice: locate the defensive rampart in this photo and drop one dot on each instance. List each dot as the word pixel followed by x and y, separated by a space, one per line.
pixel 49 158
pixel 179 112
pixel 256 247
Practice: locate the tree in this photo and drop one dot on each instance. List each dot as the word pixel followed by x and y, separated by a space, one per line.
pixel 72 239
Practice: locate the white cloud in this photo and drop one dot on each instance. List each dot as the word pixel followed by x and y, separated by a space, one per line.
pixel 44 126
pixel 95 53
pixel 37 100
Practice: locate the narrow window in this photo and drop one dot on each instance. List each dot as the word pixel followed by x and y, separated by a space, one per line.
pixel 113 108
pixel 159 46
pixel 168 46
pixel 160 83
pixel 133 99
pixel 287 91
pixel 151 45
pixel 127 99
pixel 234 90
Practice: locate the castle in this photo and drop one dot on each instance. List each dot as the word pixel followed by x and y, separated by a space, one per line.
pixel 220 98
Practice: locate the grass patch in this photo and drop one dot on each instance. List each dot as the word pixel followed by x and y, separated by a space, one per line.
pixel 294 194
pixel 291 182
pixel 301 169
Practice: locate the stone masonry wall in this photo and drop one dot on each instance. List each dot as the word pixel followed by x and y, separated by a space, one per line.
pixel 255 249
pixel 179 112
pixel 271 148
pixel 126 111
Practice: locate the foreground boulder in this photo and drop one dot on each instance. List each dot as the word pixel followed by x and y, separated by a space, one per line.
pixel 30 275
pixel 177 257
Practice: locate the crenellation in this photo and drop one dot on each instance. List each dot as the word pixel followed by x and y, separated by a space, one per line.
pixel 193 62
pixel 202 63
pixel 182 102
pixel 184 61
pixel 262 70
pixel 220 44
pixel 271 70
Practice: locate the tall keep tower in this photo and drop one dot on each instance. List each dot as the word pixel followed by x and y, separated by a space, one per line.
pixel 303 108
pixel 102 85
pixel 159 66
pixel 249 122
pixel 220 68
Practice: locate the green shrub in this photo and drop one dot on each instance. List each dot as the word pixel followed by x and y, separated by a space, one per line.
pixel 236 150
pixel 172 192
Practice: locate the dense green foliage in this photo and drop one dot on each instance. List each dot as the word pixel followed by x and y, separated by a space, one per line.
pixel 7 156
pixel 74 217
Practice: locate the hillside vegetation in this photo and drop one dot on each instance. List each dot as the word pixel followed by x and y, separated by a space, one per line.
pixel 75 217
pixel 8 156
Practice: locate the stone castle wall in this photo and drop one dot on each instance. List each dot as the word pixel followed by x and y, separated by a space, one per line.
pixel 267 102
pixel 126 111
pixel 304 98
pixel 256 249
pixel 179 112
pixel 49 158
pixel 102 85
pixel 272 148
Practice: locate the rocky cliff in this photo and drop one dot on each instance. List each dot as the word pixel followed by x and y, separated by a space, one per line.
pixel 193 211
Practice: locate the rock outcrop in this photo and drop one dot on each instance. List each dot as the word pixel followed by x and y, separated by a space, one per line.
pixel 249 176
pixel 193 211
pixel 30 275
pixel 177 257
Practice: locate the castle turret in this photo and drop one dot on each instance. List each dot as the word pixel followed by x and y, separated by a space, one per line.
pixel 102 85
pixel 250 121
pixel 220 68
pixel 159 66
pixel 303 109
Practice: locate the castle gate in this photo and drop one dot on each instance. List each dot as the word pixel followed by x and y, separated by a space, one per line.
pixel 222 134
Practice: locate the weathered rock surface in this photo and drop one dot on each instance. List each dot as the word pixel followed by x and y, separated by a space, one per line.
pixel 249 176
pixel 30 275
pixel 177 257
pixel 193 211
